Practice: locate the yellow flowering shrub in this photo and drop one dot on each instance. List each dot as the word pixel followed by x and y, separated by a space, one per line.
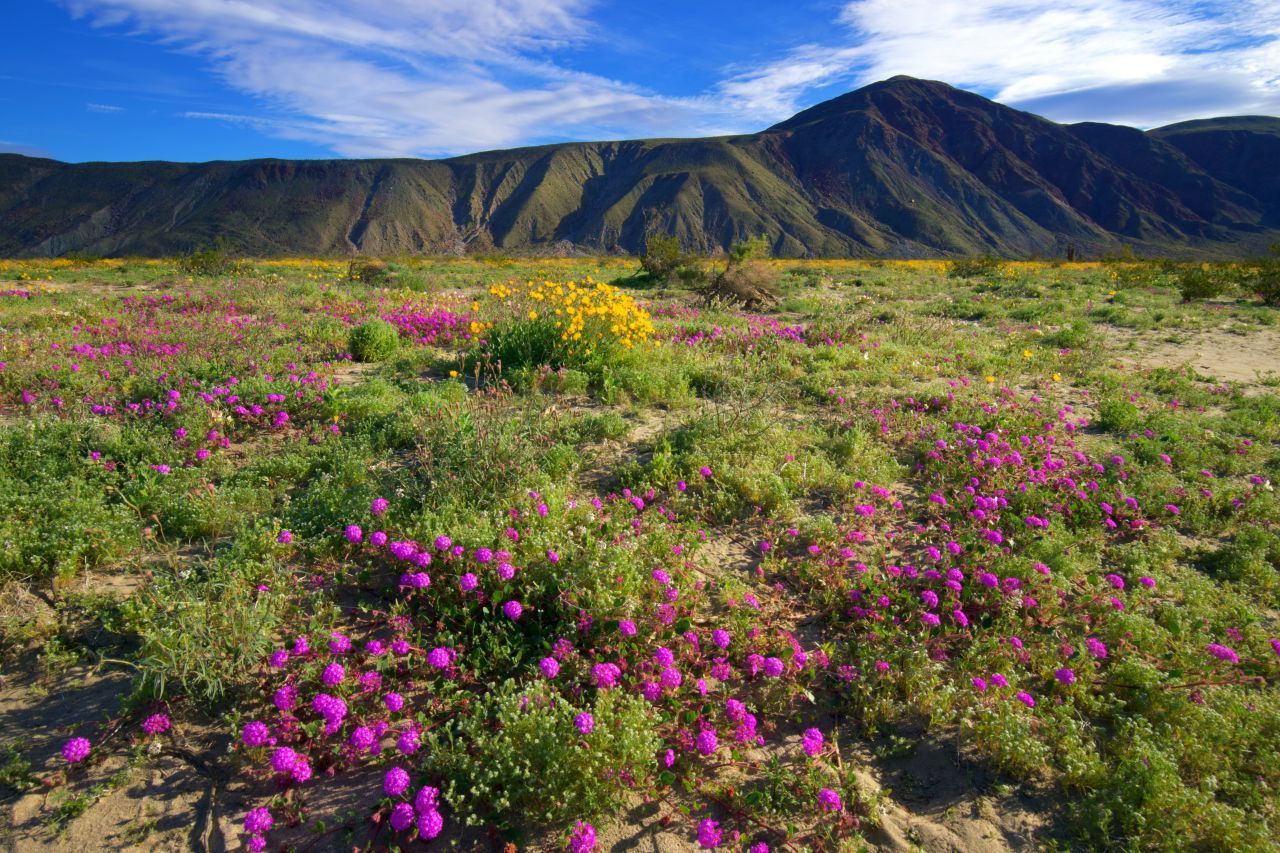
pixel 561 323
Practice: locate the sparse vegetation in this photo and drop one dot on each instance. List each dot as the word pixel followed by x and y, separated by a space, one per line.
pixel 1203 281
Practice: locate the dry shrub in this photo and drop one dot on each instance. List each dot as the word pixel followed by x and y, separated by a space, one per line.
pixel 752 284
pixel 369 272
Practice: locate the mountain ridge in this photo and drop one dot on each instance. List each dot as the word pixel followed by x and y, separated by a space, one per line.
pixel 903 167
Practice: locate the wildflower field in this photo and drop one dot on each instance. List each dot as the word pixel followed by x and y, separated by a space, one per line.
pixel 508 554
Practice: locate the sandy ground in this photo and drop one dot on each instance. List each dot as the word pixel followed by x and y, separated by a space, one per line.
pixel 1251 359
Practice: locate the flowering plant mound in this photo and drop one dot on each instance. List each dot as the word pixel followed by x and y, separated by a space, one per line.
pixel 759 331
pixel 561 324
pixel 432 325
pixel 547 676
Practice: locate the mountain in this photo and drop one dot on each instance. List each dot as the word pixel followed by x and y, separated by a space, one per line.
pixel 903 168
pixel 1242 152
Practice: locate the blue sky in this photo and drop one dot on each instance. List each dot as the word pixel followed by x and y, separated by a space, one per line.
pixel 231 79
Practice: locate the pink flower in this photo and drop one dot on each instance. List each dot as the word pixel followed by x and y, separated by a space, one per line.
pixel 427 799
pixel 709 834
pixel 706 741
pixel 430 824
pixel 408 742
pixel 258 821
pixel 255 733
pixel 605 675
pixel 1223 653
pixel 812 742
pixel 76 750
pixel 395 782
pixel 402 816
pixel 333 675
pixel 156 724
pixel 583 838
pixel 283 759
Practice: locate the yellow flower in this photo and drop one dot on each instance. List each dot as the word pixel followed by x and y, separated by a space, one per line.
pixel 1057 377
pixel 990 380
pixel 453 374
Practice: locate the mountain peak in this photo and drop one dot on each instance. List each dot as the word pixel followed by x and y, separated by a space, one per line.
pixel 901 87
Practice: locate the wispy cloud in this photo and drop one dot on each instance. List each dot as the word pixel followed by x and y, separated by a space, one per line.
pixel 103 108
pixel 401 77
pixel 1141 61
pixel 418 78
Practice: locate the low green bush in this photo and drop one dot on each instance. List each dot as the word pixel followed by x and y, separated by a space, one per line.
pixel 374 341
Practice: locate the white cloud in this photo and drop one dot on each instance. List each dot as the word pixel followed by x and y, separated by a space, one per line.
pixel 103 108
pixel 1028 52
pixel 408 78
pixel 431 77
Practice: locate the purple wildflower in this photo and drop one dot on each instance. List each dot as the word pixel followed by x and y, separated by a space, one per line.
pixel 76 750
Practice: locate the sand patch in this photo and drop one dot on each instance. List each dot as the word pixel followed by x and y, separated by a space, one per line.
pixel 1222 355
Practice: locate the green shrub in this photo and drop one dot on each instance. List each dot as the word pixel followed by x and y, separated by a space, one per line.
pixel 1264 277
pixel 201 637
pixel 977 267
pixel 528 343
pixel 371 272
pixel 662 256
pixel 1252 560
pixel 376 340
pixel 58 514
pixel 517 753
pixel 1203 282
pixel 1119 416
pixel 209 261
